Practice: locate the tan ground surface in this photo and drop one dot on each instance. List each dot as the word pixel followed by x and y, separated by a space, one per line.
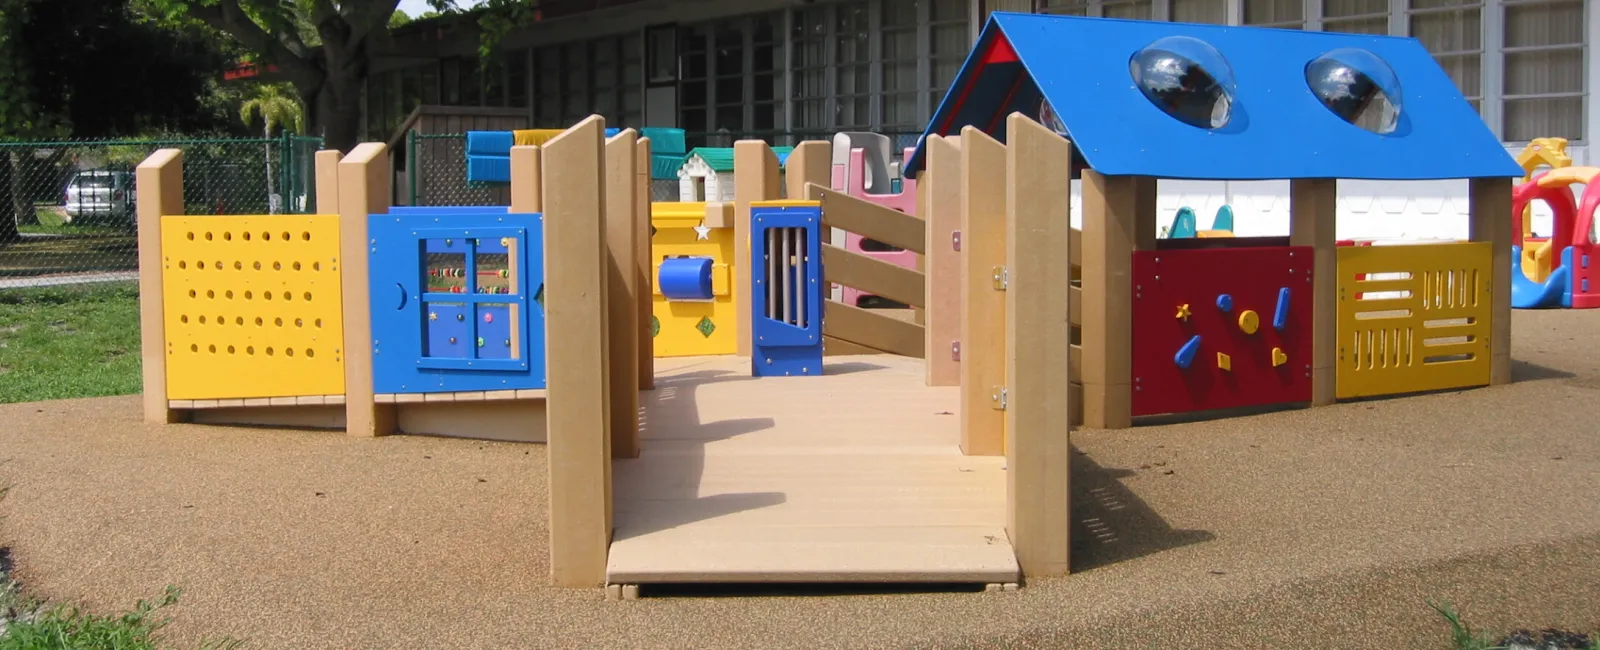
pixel 1322 528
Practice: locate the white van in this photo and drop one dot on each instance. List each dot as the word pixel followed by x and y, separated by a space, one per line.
pixel 101 196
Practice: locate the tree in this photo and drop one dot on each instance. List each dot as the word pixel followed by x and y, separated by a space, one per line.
pixel 275 109
pixel 325 48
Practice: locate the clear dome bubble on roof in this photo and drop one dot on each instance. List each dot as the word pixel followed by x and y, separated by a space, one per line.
pixel 1187 79
pixel 1357 86
pixel 1050 118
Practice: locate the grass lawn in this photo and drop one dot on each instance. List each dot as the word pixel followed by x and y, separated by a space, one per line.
pixel 73 341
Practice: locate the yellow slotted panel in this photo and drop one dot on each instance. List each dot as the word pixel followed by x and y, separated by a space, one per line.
pixel 1413 318
pixel 253 306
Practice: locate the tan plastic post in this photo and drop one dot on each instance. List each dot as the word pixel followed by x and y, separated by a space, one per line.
pixel 1038 344
pixel 755 178
pixel 1118 218
pixel 576 353
pixel 327 171
pixel 527 188
pixel 622 291
pixel 1313 205
pixel 1490 221
pixel 645 253
pixel 160 190
pixel 363 191
pixel 940 186
pixel 983 306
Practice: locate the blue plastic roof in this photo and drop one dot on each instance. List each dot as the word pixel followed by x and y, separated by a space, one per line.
pixel 1278 129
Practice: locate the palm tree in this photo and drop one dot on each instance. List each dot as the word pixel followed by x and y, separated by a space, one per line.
pixel 277 108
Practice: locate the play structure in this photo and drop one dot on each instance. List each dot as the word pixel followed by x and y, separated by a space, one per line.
pixel 1554 271
pixel 1183 224
pixel 712 415
pixel 863 169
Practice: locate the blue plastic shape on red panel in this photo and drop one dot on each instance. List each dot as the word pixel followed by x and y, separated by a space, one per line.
pixel 1225 302
pixel 1185 356
pixel 487 332
pixel 1276 125
pixel 786 307
pixel 1280 316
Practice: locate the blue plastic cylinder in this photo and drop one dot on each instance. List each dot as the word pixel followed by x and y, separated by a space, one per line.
pixel 685 278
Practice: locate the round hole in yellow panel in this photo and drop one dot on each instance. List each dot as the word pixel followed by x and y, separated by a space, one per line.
pixel 184 318
pixel 278 322
pixel 238 266
pixel 191 293
pixel 305 236
pixel 307 296
pixel 269 351
pixel 208 236
pixel 257 266
pixel 298 322
pixel 248 295
pixel 238 320
pixel 182 264
pixel 230 349
pixel 202 319
pixel 200 265
pixel 277 266
pixel 191 236
pixel 228 294
pixel 219 265
pixel 316 266
pixel 288 352
pixel 286 235
pixel 266 236
pixel 211 294
pixel 212 349
pixel 246 235
pixel 194 347
pixel 318 322
pixel 296 266
pixel 267 295
pixel 249 349
pixel 288 296
pixel 222 320
pixel 259 321
pixel 310 353
pixel 228 236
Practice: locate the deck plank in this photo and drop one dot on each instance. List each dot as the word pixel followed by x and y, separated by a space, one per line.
pixel 855 476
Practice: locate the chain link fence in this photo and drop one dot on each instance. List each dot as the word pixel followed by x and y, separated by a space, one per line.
pixel 68 209
pixel 434 169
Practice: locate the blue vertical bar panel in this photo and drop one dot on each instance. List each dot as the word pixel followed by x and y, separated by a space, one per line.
pixel 786 288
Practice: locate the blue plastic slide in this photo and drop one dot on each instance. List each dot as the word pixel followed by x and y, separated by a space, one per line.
pixel 1555 291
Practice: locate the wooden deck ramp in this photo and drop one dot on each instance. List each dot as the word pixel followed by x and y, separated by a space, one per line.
pixel 855 476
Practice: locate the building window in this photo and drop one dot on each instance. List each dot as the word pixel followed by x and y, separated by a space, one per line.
pixel 900 82
pixel 1452 30
pixel 547 88
pixel 1134 9
pixel 574 84
pixel 728 59
pixel 1283 14
pixel 1213 12
pixel 1355 16
pixel 1065 7
pixel 692 88
pixel 603 86
pixel 809 37
pixel 517 79
pixel 631 102
pixel 766 66
pixel 1543 69
pixel 852 68
pixel 950 40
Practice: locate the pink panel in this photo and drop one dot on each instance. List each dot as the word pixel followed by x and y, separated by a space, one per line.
pixel 904 201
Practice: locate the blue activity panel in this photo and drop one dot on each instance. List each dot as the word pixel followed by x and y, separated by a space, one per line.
pixel 457 300
pixel 786 290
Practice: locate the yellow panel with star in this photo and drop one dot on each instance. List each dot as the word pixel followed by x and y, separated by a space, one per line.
pixel 692 328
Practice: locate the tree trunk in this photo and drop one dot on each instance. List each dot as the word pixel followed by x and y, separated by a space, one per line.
pixel 8 216
pixel 334 110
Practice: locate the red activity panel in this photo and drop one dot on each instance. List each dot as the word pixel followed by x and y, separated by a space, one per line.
pixel 1221 328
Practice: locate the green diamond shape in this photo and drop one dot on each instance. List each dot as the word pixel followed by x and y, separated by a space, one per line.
pixel 655 327
pixel 538 296
pixel 705 326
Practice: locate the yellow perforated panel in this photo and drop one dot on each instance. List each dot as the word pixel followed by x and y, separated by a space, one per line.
pixel 253 306
pixel 1413 318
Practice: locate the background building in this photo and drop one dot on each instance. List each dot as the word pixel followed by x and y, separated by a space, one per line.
pixel 790 69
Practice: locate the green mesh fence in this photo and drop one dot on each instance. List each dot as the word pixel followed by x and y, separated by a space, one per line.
pixel 68 209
